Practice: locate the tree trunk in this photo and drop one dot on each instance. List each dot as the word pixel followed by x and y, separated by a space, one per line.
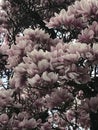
pixel 94 121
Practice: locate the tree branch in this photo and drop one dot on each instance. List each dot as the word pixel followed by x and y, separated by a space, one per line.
pixel 36 17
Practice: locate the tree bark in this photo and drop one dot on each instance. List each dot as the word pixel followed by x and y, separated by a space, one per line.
pixel 94 121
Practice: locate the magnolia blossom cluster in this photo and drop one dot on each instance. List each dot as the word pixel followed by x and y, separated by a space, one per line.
pixel 18 121
pixel 3 35
pixel 4 119
pixel 90 34
pixel 87 107
pixel 65 20
pixel 5 98
pixel 86 9
pixel 90 104
pixel 69 64
pixel 14 115
pixel 31 39
pixel 42 68
pixel 83 119
pixel 22 121
pixel 41 74
pixel 58 98
pixel 76 16
pixel 34 70
pixel 4 47
pixel 3 18
pixel 57 121
pixel 95 46
pixel 80 18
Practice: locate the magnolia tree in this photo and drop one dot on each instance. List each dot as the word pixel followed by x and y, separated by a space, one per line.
pixel 50 63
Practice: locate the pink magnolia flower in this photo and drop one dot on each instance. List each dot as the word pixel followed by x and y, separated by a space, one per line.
pixel 46 126
pixel 4 118
pixel 93 103
pixel 64 19
pixel 32 69
pixel 70 115
pixel 28 124
pixel 31 123
pixel 83 7
pixel 45 76
pixel 43 65
pixel 95 49
pixel 4 48
pixel 21 68
pixel 39 103
pixel 78 47
pixel 18 81
pixel 34 81
pixel 23 124
pixel 86 36
pixel 23 115
pixel 49 77
pixel 58 97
